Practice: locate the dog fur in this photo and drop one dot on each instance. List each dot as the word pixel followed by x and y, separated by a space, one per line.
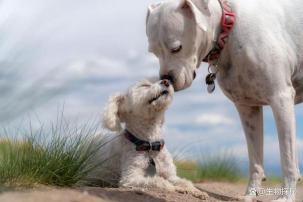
pixel 261 64
pixel 144 120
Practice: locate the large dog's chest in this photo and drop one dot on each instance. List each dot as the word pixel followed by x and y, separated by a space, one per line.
pixel 251 87
pixel 244 89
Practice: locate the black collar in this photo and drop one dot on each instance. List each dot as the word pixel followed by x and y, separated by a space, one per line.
pixel 142 145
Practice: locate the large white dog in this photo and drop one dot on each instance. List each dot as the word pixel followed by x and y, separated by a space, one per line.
pixel 261 64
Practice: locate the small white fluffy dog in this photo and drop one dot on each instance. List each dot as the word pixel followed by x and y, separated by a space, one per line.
pixel 141 110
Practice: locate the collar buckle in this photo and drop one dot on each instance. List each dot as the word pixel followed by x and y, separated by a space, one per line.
pixel 157 146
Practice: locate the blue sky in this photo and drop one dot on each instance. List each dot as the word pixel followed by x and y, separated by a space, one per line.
pixel 77 53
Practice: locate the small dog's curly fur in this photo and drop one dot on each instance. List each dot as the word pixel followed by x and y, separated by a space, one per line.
pixel 141 111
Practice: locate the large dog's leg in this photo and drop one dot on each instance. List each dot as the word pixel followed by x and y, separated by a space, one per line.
pixel 252 122
pixel 283 108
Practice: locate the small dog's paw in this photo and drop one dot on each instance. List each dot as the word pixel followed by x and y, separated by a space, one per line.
pixel 181 190
pixel 199 194
pixel 182 183
pixel 168 187
pixel 127 186
pixel 194 192
pixel 161 183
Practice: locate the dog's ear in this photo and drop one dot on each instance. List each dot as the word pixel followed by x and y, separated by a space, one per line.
pixel 198 12
pixel 112 113
pixel 151 8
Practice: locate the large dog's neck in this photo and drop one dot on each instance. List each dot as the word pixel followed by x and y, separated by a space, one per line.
pixel 214 28
pixel 216 15
pixel 146 129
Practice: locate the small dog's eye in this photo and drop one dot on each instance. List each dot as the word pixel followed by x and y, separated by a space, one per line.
pixel 176 50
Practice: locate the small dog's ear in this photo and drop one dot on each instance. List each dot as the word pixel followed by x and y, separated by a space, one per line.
pixel 112 113
pixel 198 12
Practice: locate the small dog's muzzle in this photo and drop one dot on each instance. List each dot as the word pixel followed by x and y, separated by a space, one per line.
pixel 165 82
pixel 167 77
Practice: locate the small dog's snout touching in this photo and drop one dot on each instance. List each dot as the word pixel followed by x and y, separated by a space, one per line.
pixel 165 82
pixel 167 77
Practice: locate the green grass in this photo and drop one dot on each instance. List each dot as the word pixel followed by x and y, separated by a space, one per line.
pixel 214 168
pixel 65 155
pixel 61 157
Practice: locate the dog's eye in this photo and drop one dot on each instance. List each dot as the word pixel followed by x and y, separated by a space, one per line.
pixel 176 50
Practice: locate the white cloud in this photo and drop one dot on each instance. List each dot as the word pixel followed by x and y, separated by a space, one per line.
pixel 101 67
pixel 214 119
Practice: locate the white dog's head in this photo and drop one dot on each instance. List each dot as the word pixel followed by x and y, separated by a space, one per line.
pixel 178 34
pixel 146 100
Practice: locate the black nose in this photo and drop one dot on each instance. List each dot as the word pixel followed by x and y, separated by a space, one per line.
pixel 167 77
pixel 194 75
pixel 165 82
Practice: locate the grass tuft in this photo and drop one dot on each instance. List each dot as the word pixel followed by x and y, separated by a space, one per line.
pixel 216 168
pixel 63 158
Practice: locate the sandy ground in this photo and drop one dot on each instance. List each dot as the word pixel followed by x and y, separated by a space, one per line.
pixel 217 192
pixel 232 192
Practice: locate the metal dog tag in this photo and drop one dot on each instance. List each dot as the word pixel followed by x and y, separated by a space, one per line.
pixel 211 88
pixel 151 169
pixel 210 82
